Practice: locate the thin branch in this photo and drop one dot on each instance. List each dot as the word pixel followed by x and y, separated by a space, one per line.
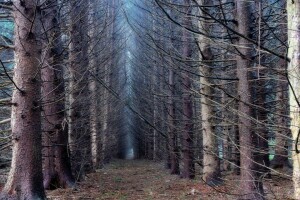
pixel 6 73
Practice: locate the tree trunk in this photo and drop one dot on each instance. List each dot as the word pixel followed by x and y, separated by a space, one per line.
pixel 172 141
pixel 211 161
pixel 25 180
pixel 188 169
pixel 93 88
pixel 251 185
pixel 56 165
pixel 259 98
pixel 155 82
pixel 95 136
pixel 108 114
pixel 79 135
pixel 293 11
pixel 280 159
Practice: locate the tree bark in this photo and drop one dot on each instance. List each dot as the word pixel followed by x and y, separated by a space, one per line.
pixel 280 159
pixel 26 112
pixel 79 137
pixel 93 88
pixel 56 165
pixel 251 184
pixel 172 140
pixel 211 161
pixel 293 11
pixel 188 169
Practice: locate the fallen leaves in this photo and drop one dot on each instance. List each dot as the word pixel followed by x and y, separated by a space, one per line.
pixel 145 180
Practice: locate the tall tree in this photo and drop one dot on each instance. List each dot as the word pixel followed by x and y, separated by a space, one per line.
pixel 172 135
pixel 79 135
pixel 251 185
pixel 56 163
pixel 188 170
pixel 259 98
pixel 293 11
pixel 280 159
pixel 25 180
pixel 211 161
pixel 173 146
pixel 93 88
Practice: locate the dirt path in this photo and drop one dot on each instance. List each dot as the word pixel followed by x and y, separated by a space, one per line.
pixel 141 180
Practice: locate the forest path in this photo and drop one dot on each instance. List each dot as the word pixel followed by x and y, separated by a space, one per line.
pixel 137 180
pixel 148 180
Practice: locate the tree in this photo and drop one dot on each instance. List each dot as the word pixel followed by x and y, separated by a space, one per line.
pixel 293 11
pixel 280 159
pixel 252 184
pixel 188 170
pixel 26 111
pixel 211 161
pixel 172 135
pixel 93 88
pixel 79 134
pixel 57 167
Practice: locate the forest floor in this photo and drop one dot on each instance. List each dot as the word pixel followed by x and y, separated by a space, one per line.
pixel 146 180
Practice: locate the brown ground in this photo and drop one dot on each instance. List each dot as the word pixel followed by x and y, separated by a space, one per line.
pixel 146 180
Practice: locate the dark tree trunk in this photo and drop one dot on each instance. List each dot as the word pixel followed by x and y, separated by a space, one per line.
pixel 251 184
pixel 172 141
pixel 259 98
pixel 56 165
pixel 188 169
pixel 280 159
pixel 79 135
pixel 282 134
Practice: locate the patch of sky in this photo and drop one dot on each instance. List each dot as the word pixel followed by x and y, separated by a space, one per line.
pixel 7 29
